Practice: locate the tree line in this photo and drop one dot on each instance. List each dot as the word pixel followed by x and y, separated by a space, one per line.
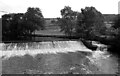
pixel 89 22
pixel 20 25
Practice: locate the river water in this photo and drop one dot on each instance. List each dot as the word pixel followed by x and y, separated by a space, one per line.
pixel 55 58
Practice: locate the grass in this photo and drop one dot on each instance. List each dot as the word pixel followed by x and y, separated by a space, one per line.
pixel 51 29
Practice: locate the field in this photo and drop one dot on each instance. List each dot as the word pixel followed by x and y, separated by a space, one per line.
pixel 50 29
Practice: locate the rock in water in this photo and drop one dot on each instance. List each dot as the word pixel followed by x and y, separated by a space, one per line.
pixel 89 45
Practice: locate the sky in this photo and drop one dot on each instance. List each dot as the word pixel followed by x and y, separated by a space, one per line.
pixel 51 8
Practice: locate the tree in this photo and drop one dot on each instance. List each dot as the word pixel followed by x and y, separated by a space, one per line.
pixel 12 25
pixel 68 21
pixel 67 26
pixel 5 24
pixel 34 19
pixel 114 40
pixel 18 25
pixel 90 22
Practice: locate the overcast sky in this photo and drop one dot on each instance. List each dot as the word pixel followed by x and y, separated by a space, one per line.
pixel 51 8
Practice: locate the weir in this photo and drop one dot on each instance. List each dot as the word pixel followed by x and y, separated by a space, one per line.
pixel 33 48
pixel 53 56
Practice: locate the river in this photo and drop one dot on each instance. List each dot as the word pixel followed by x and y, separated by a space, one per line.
pixel 57 57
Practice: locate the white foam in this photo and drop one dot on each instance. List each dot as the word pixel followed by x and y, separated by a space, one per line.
pixel 45 48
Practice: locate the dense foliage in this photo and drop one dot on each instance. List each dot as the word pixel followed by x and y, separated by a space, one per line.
pixel 115 42
pixel 15 26
pixel 68 21
pixel 90 23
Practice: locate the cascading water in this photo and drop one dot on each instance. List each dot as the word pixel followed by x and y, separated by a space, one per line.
pixel 33 48
pixel 105 61
pixel 51 52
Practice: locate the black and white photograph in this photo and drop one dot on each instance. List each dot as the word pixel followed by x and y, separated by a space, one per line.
pixel 60 37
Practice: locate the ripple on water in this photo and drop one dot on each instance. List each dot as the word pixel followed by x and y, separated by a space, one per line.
pixel 105 62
